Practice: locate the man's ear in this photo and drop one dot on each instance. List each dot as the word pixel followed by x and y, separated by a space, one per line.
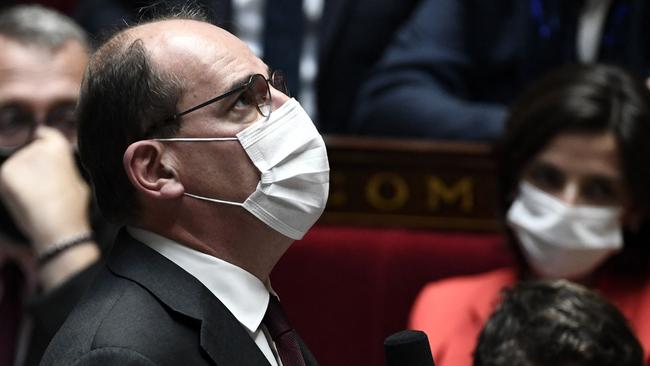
pixel 147 171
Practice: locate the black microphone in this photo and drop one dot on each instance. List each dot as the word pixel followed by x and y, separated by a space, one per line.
pixel 408 348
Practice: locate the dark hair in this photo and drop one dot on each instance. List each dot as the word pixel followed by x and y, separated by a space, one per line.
pixel 589 99
pixel 40 26
pixel 556 323
pixel 124 97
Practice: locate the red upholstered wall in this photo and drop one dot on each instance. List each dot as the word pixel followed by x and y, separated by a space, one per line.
pixel 346 288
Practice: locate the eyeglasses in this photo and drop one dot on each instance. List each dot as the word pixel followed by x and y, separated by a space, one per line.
pixel 18 124
pixel 256 90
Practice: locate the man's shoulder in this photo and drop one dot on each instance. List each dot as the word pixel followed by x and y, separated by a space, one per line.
pixel 119 318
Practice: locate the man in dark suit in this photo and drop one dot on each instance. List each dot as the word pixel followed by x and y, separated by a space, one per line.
pixel 191 142
pixel 455 66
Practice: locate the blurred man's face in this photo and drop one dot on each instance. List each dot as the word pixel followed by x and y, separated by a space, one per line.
pixel 38 87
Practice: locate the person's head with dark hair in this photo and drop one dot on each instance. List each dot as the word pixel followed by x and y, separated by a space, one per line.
pixel 556 324
pixel 575 171
pixel 149 93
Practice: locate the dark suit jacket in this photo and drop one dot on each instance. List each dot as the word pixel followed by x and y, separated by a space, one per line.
pixel 49 311
pixel 145 310
pixel 456 65
pixel 352 37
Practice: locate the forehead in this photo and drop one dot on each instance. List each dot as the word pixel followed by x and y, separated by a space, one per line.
pixel 30 73
pixel 199 53
pixel 583 154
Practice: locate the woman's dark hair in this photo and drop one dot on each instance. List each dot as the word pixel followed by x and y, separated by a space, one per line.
pixel 585 99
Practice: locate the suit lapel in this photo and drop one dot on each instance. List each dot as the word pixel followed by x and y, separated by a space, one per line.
pixel 222 337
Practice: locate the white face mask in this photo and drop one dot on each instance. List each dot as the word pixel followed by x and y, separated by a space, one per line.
pixel 561 241
pixel 290 153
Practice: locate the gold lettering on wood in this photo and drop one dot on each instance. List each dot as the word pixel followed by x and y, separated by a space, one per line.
pixel 387 191
pixel 461 193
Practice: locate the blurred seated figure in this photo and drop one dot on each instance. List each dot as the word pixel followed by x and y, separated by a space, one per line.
pixel 575 175
pixel 556 323
pixel 325 47
pixel 453 69
pixel 48 247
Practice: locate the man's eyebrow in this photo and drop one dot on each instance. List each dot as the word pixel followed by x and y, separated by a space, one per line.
pixel 237 84
pixel 245 79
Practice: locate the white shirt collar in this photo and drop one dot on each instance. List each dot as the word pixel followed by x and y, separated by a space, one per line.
pixel 242 293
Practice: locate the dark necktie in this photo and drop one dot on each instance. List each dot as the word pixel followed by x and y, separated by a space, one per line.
pixel 10 311
pixel 284 26
pixel 284 337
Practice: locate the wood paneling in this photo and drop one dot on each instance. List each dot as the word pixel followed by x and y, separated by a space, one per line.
pixel 411 183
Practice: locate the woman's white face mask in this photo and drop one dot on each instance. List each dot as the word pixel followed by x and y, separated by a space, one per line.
pixel 563 241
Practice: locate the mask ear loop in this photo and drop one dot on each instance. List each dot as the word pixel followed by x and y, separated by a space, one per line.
pixel 203 139
pixel 199 139
pixel 213 200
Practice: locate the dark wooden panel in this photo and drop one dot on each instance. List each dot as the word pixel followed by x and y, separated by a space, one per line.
pixel 411 183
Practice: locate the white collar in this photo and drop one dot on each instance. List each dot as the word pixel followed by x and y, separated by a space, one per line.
pixel 242 293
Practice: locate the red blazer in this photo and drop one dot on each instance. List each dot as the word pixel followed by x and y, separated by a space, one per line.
pixel 452 312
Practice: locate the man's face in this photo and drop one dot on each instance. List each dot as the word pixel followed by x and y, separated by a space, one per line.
pixel 211 62
pixel 38 87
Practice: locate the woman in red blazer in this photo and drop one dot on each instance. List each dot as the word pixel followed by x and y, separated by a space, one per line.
pixel 576 196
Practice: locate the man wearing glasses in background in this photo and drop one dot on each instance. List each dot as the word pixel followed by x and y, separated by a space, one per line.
pixel 47 248
pixel 194 145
